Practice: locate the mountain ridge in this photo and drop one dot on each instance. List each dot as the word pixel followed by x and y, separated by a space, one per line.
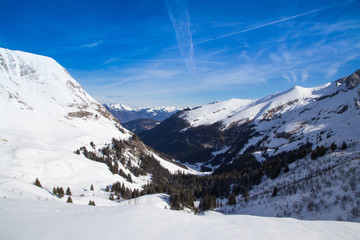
pixel 46 118
pixel 288 113
pixel 126 113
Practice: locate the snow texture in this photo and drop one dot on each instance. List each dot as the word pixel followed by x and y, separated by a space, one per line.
pixel 147 219
pixel 126 113
pixel 46 116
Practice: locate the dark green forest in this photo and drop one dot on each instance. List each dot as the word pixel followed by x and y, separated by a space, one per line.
pixel 226 182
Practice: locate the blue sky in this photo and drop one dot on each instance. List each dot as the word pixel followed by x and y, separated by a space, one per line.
pixel 188 53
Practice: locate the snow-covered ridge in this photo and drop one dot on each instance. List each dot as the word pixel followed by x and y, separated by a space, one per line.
pixel 39 84
pixel 126 113
pixel 46 116
pixel 240 111
pixel 276 123
pixel 123 107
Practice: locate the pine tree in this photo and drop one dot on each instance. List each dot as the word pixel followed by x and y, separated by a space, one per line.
pixel 246 194
pixel 54 191
pixel 111 197
pixel 333 146
pixel 274 193
pixel 129 178
pixel 343 146
pixel 232 199
pixel 286 168
pixel 92 187
pixel 61 192
pixel 37 183
pixel 69 200
pixel 68 191
pixel 91 203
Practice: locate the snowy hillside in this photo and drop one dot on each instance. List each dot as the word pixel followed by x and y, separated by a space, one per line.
pixel 147 219
pixel 321 189
pixel 125 113
pixel 291 154
pixel 55 137
pixel 279 122
pixel 46 116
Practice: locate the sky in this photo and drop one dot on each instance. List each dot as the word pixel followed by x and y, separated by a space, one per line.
pixel 188 53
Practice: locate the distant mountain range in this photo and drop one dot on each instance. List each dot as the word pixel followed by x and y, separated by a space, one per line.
pixel 125 113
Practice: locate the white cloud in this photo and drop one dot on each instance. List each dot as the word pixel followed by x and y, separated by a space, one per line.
pixel 90 45
pixel 304 75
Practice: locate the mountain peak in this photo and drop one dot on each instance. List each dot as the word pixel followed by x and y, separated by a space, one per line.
pixel 38 83
pixel 125 113
pixel 352 80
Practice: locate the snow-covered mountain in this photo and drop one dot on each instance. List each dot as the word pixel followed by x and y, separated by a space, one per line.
pixel 276 162
pixel 220 131
pixel 291 154
pixel 46 116
pixel 125 113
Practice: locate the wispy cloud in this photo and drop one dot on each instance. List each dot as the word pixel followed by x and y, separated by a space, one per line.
pixel 290 77
pixel 115 97
pixel 261 26
pixel 90 45
pixel 179 16
pixel 100 42
pixel 309 53
pixel 334 68
pixel 150 74
pixel 304 76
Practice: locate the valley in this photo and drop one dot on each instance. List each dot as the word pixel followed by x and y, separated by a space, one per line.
pixel 289 155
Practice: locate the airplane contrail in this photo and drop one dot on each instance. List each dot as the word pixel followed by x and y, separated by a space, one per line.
pixel 260 26
pixel 179 16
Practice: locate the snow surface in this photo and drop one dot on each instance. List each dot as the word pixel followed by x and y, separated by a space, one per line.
pixel 46 116
pixel 122 107
pixel 126 113
pixel 319 115
pixel 323 189
pixel 147 219
pixel 240 111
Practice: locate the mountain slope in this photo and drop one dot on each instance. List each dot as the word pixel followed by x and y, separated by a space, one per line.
pixel 146 218
pixel 126 114
pixel 218 132
pixel 46 116
pixel 140 125
pixel 291 154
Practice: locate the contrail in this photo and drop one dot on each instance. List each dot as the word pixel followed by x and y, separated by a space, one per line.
pixel 261 26
pixel 179 16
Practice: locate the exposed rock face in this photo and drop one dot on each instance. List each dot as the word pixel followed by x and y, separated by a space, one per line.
pixel 351 81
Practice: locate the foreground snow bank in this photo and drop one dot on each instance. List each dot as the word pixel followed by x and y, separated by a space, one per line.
pixel 31 219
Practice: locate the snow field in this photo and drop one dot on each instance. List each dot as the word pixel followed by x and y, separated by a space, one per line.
pixel 30 219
